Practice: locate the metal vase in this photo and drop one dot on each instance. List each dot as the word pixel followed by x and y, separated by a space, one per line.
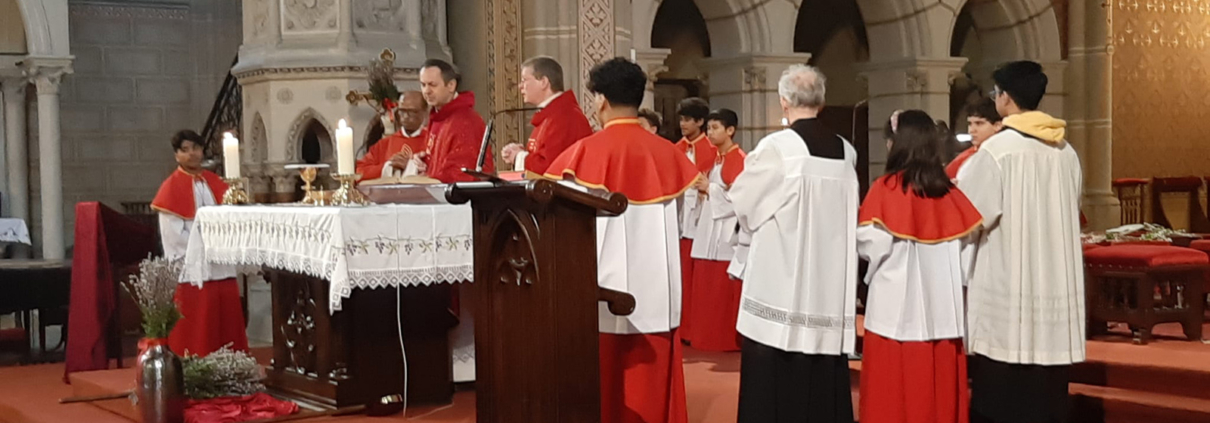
pixel 160 383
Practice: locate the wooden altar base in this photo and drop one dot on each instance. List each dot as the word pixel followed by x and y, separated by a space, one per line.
pixel 1163 381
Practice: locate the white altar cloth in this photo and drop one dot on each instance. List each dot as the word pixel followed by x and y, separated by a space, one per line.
pixel 357 247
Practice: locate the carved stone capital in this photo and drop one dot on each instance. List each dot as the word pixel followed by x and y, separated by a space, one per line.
pixel 46 73
pixel 754 78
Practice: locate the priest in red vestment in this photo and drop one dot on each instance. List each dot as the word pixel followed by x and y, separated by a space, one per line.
pixel 557 126
pixel 715 294
pixel 913 227
pixel 693 144
pixel 391 154
pixel 642 378
pixel 212 315
pixel 455 130
pixel 982 122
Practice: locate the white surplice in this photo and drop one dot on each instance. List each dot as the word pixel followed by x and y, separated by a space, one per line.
pixel 689 204
pixel 715 236
pixel 174 232
pixel 915 288
pixel 638 253
pixel 800 281
pixel 1026 294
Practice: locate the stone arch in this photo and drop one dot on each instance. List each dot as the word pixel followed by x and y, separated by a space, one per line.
pixel 257 150
pixel 45 27
pixel 734 26
pixel 300 127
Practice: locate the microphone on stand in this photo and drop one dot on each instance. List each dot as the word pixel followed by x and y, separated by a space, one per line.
pixel 487 136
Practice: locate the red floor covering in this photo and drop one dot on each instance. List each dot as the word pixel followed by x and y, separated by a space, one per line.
pixel 1120 383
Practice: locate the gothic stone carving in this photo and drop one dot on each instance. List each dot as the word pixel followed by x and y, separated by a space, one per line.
pixel 378 15
pixel 754 78
pixel 596 43
pixel 298 129
pixel 260 18
pixel 309 15
pixel 504 60
pixel 915 80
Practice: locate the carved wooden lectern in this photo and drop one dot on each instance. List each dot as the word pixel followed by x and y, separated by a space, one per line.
pixel 535 298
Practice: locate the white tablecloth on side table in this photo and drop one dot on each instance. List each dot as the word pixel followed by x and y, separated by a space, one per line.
pixel 14 230
pixel 357 247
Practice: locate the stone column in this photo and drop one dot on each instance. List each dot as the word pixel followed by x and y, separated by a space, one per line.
pixel 747 84
pixel 652 61
pixel 17 157
pixel 1101 206
pixel 909 83
pixel 50 151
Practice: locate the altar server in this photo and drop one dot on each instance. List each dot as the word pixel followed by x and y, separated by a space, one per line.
pixel 455 130
pixel 692 112
pixel 391 154
pixel 212 314
pixel 715 294
pixel 798 197
pixel 642 379
pixel 912 227
pixel 557 126
pixel 982 122
pixel 1025 302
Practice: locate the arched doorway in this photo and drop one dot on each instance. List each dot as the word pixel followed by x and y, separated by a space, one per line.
pixel 679 27
pixel 315 146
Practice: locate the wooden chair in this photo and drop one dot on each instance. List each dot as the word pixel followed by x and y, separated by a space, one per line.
pixel 1190 186
pixel 1130 195
pixel 1144 285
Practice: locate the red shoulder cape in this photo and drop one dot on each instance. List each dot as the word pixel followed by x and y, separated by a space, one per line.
pixel 625 158
pixel 952 169
pixel 702 151
pixel 176 193
pixel 733 163
pixel 556 127
pixel 908 216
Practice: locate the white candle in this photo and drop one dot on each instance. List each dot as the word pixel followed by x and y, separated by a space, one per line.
pixel 344 149
pixel 230 156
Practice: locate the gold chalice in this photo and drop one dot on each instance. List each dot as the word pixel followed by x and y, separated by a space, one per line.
pixel 308 173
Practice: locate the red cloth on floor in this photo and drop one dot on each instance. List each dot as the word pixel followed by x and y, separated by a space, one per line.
pixel 104 239
pixel 686 289
pixel 212 316
pixel 642 378
pixel 237 409
pixel 913 382
pixel 715 306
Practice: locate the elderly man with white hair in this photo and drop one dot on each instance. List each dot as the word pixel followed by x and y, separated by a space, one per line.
pixel 797 198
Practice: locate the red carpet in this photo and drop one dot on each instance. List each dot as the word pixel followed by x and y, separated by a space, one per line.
pixel 1164 381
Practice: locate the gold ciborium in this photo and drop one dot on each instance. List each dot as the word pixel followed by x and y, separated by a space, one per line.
pixel 308 173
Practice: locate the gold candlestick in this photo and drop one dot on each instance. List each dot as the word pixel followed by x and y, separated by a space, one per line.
pixel 347 194
pixel 235 192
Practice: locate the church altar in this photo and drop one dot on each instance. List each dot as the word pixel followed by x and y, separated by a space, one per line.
pixel 14 230
pixel 358 247
pixel 349 286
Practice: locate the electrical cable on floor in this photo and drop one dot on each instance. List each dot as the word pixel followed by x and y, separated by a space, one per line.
pixel 402 349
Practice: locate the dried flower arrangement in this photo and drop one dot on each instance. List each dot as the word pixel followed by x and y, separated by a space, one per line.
pixel 223 373
pixel 153 290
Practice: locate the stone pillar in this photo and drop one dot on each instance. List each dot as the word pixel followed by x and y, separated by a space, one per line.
pixel 17 157
pixel 1101 206
pixel 910 83
pixel 747 84
pixel 284 182
pixel 46 77
pixel 652 61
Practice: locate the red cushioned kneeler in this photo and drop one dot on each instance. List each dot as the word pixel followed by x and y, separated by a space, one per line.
pixel 1144 285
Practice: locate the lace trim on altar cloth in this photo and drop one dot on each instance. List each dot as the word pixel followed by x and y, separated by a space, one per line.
pixel 369 279
pixel 789 318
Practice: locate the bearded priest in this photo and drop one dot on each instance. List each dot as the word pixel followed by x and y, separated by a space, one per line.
pixel 212 315
pixel 642 378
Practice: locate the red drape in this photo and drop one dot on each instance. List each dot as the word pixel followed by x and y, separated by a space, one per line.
pixel 237 409
pixel 104 238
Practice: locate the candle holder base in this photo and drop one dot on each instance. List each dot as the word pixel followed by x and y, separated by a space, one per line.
pixel 235 192
pixel 347 194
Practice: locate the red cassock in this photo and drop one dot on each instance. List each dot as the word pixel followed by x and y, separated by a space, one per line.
pixel 915 381
pixel 370 166
pixel 212 316
pixel 951 169
pixel 455 134
pixel 715 295
pixel 556 127
pixel 702 149
pixel 642 375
